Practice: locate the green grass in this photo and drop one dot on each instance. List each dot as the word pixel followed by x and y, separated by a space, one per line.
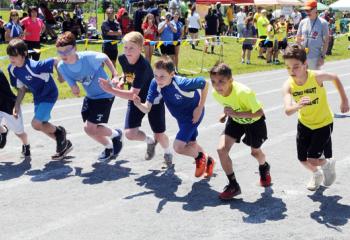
pixel 192 59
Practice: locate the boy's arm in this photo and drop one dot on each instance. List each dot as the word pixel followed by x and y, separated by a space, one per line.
pixel 199 109
pixel 114 72
pixel 20 95
pixel 144 107
pixel 324 76
pixel 60 78
pixel 230 112
pixel 126 94
pixel 290 107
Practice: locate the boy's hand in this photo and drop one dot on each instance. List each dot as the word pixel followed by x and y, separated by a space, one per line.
pixel 75 90
pixel 104 84
pixel 344 106
pixel 197 114
pixel 304 101
pixel 222 118
pixel 230 112
pixel 115 80
pixel 136 99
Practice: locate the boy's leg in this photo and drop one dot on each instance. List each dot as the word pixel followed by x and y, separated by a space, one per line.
pixel 249 52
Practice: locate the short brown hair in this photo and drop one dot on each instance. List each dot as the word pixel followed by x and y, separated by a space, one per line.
pixel 17 47
pixel 221 69
pixel 295 51
pixel 165 63
pixel 134 37
pixel 66 39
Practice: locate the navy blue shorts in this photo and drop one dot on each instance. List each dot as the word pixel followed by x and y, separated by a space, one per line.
pixel 188 131
pixel 156 117
pixel 96 110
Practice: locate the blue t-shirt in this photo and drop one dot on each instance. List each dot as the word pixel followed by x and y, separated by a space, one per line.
pixel 37 77
pixel 167 34
pixel 138 75
pixel 181 96
pixel 87 70
pixel 179 26
pixel 15 29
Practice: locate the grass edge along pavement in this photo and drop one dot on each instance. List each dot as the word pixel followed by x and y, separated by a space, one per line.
pixel 190 60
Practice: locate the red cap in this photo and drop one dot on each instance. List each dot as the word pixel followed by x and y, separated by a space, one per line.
pixel 310 4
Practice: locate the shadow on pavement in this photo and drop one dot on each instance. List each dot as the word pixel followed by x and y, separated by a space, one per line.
pixel 53 170
pixel 11 170
pixel 105 172
pixel 266 208
pixel 332 214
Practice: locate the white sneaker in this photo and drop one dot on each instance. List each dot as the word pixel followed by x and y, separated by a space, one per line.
pixel 315 181
pixel 329 172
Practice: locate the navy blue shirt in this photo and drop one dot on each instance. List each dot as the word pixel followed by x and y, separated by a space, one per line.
pixel 138 18
pixel 37 77
pixel 138 75
pixel 181 96
pixel 106 27
pixel 7 98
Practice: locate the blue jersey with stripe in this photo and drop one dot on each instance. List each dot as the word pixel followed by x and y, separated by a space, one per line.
pixel 37 77
pixel 181 96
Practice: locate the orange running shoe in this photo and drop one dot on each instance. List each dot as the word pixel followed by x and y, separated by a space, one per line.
pixel 201 164
pixel 210 167
pixel 230 191
pixel 265 177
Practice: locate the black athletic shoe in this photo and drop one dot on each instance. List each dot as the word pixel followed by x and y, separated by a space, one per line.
pixel 61 140
pixel 117 143
pixel 4 138
pixel 25 151
pixel 151 150
pixel 106 155
pixel 230 191
pixel 61 155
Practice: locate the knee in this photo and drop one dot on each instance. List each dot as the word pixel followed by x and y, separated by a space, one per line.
pixel 255 153
pixel 130 135
pixel 37 125
pixel 222 150
pixel 90 130
pixel 178 149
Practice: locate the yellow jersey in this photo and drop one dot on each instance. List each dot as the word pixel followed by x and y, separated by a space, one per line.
pixel 318 113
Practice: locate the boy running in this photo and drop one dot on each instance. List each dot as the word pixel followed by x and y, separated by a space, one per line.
pixel 184 102
pixel 36 76
pixel 138 75
pixel 87 68
pixel 7 104
pixel 304 93
pixel 245 117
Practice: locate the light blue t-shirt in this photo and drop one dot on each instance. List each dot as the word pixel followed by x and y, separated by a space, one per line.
pixel 167 34
pixel 86 70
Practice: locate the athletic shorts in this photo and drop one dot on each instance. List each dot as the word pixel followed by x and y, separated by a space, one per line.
pixel 168 49
pixel 255 134
pixel 14 124
pixel 111 51
pixel 261 43
pixel 282 44
pixel 268 44
pixel 188 131
pixel 192 30
pixel 96 110
pixel 247 47
pixel 156 117
pixel 42 111
pixel 314 143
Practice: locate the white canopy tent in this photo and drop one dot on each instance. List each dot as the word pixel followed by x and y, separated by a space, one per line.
pixel 279 2
pixel 341 5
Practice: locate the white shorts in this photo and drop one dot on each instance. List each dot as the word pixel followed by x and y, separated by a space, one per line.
pixel 14 124
pixel 312 63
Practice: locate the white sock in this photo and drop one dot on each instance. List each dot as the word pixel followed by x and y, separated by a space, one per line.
pixel 149 139
pixel 168 150
pixel 114 133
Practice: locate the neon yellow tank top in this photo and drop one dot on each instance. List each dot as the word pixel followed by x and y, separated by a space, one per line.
pixel 318 113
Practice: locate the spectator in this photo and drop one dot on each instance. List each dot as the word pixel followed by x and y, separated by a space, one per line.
pixel 154 10
pixel 33 28
pixel 166 29
pixel 13 29
pixel 49 21
pixel 230 19
pixel 2 30
pixel 313 35
pixel 174 7
pixel 240 16
pixel 256 16
pixel 111 31
pixel 194 25
pixel 211 28
pixel 281 28
pixel 220 17
pixel 248 33
pixel 126 23
pixel 177 37
pixel 262 24
pixel 149 32
pixel 139 15
pixel 296 17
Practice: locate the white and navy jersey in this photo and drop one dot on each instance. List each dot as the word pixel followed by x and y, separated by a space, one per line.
pixel 181 96
pixel 37 77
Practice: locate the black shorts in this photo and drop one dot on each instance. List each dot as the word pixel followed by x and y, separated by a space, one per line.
pixel 96 110
pixel 111 51
pixel 255 133
pixel 156 117
pixel 193 30
pixel 31 46
pixel 262 43
pixel 282 44
pixel 268 44
pixel 314 143
pixel 168 49
pixel 247 47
